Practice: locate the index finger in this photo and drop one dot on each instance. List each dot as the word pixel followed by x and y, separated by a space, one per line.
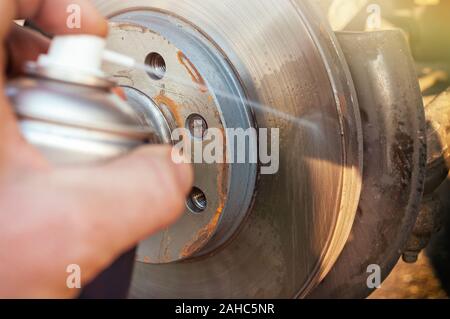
pixel 52 16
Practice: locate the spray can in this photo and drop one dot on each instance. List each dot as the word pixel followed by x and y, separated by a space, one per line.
pixel 66 108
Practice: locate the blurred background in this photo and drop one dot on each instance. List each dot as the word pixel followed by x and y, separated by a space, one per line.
pixel 426 24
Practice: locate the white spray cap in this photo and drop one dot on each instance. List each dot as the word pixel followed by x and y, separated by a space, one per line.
pixel 75 53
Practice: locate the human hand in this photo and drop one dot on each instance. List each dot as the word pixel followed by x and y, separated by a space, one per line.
pixel 54 217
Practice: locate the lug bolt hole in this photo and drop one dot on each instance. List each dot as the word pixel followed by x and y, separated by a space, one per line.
pixel 197 126
pixel 197 201
pixel 157 66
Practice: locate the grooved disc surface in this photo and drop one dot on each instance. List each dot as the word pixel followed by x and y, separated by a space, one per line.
pixel 287 62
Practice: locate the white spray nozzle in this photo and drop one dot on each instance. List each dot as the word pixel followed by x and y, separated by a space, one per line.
pixel 78 53
pixel 82 53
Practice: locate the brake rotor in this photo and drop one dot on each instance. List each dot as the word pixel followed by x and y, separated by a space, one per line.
pixel 243 64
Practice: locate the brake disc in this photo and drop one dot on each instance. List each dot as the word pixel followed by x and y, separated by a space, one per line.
pixel 243 64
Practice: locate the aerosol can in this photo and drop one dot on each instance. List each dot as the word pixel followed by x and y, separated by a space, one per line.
pixel 66 108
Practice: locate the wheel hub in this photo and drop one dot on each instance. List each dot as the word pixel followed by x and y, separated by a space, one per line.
pixel 182 97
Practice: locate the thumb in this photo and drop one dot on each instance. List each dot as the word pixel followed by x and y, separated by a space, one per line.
pixel 124 202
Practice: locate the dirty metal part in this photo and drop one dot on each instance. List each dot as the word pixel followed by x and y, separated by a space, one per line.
pixel 427 224
pixel 180 93
pixel 238 64
pixel 438 138
pixel 430 218
pixel 394 159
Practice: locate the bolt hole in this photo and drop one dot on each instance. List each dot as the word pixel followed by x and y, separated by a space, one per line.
pixel 197 126
pixel 157 66
pixel 197 201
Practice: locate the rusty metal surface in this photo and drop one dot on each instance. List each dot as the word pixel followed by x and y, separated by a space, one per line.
pixel 438 137
pixel 179 99
pixel 294 78
pixel 394 160
pixel 429 221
